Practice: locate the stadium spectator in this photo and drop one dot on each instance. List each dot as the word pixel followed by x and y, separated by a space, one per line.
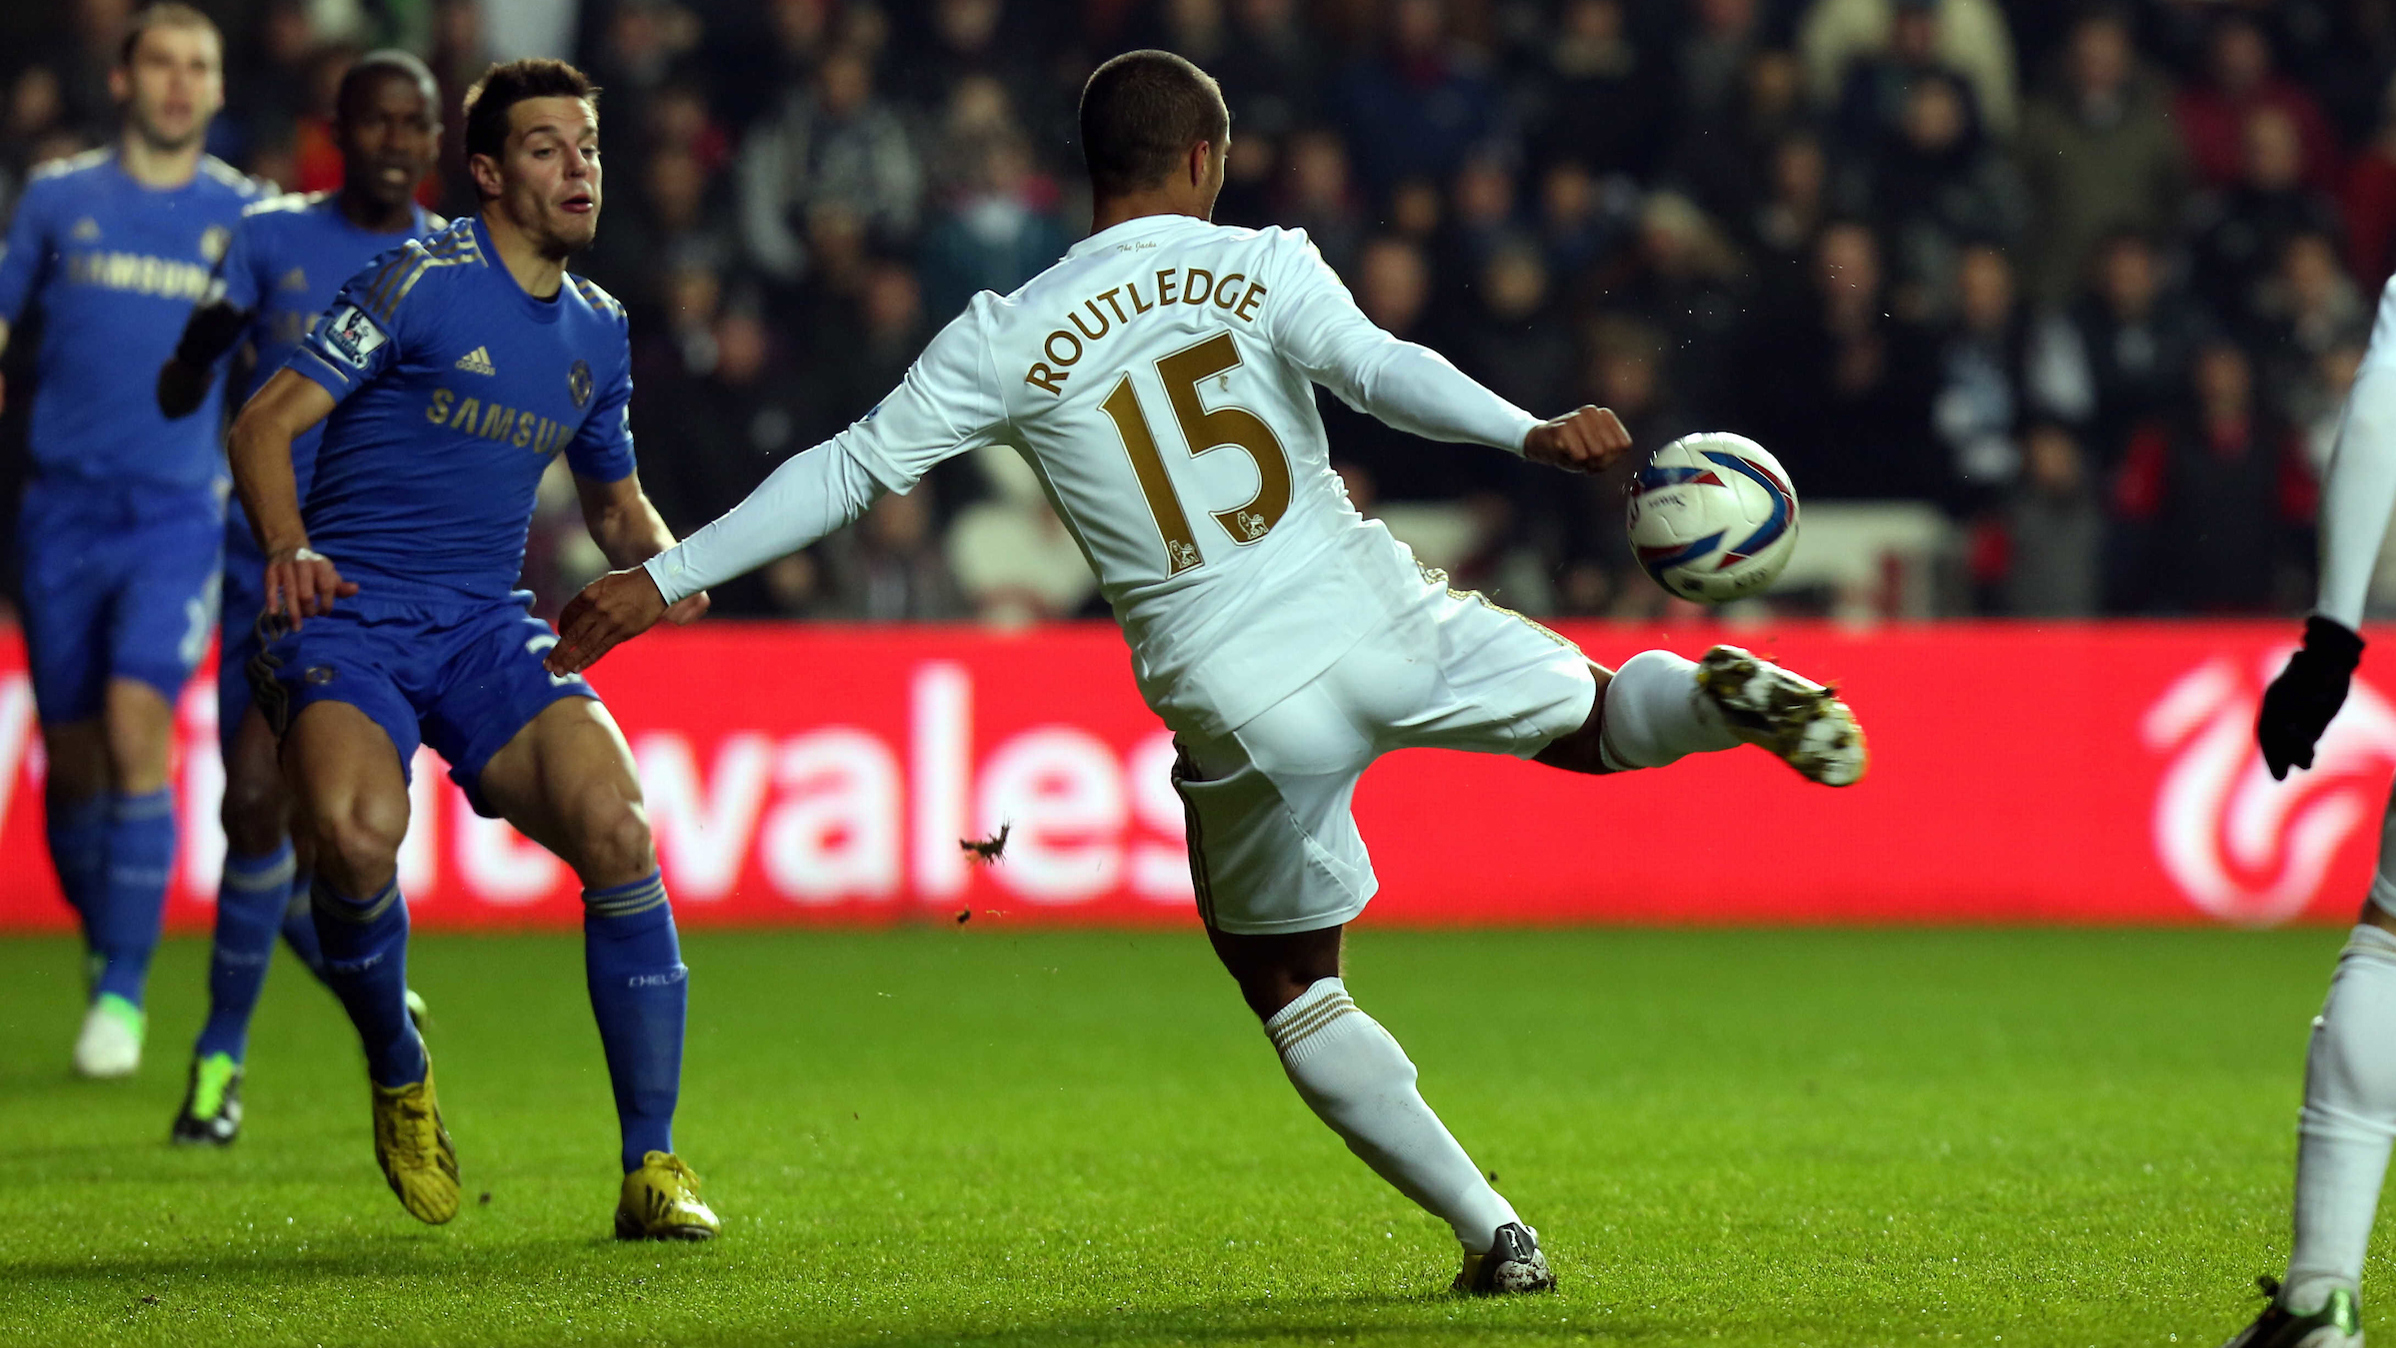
pixel 890 567
pixel 2214 113
pixel 2305 309
pixel 2055 530
pixel 1413 106
pixel 1601 98
pixel 1971 38
pixel 1875 102
pixel 2369 203
pixel 1937 188
pixel 1680 274
pixel 1724 162
pixel 831 141
pixel 1002 230
pixel 2137 340
pixel 2240 232
pixel 1999 370
pixel 2100 154
pixel 1839 387
pixel 1715 53
pixel 1318 197
pixel 2214 496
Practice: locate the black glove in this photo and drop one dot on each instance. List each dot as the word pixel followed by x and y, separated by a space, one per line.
pixel 2299 703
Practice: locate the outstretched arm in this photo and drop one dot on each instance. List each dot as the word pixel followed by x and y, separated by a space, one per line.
pixel 1316 323
pixel 207 335
pixel 808 497
pixel 945 406
pixel 300 582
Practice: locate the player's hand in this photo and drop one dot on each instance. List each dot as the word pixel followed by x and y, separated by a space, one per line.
pixel 614 608
pixel 689 610
pixel 1586 441
pixel 2298 705
pixel 302 583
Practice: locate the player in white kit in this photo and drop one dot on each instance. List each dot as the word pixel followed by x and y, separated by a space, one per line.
pixel 1160 380
pixel 2349 1115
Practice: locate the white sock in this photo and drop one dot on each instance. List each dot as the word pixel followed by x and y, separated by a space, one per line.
pixel 1655 715
pixel 2349 1119
pixel 1357 1079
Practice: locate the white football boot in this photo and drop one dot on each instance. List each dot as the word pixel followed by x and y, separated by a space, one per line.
pixel 1801 722
pixel 109 1047
pixel 1514 1265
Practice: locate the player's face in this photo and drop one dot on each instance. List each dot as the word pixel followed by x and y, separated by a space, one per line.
pixel 389 139
pixel 172 86
pixel 548 179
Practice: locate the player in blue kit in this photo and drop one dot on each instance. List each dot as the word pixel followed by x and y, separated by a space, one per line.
pixel 123 523
pixel 448 374
pixel 288 257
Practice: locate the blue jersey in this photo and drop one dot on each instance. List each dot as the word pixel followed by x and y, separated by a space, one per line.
pixel 117 267
pixel 287 260
pixel 455 388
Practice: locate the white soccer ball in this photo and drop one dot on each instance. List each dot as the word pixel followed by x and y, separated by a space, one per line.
pixel 1713 518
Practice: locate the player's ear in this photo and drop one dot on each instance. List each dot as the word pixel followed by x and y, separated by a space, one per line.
pixel 485 172
pixel 120 84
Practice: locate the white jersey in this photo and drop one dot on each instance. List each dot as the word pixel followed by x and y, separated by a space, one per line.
pixel 1160 380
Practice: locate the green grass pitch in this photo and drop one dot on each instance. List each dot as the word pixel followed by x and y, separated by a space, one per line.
pixel 990 1136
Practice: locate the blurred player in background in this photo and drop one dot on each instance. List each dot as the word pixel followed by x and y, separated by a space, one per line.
pixel 123 524
pixel 2349 1115
pixel 453 369
pixel 1160 378
pixel 287 258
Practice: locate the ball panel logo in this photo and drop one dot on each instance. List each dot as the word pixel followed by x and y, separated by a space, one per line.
pixel 353 336
pixel 2239 845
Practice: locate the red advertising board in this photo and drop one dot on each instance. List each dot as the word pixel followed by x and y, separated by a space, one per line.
pixel 2054 773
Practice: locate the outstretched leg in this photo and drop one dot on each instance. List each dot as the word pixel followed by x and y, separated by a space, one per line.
pixel 1659 708
pixel 566 779
pixel 1352 1073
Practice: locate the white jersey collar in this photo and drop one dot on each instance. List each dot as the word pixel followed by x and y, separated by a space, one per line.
pixel 1138 226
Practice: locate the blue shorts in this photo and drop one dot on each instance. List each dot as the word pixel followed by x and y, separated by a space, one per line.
pixel 238 644
pixel 461 675
pixel 120 582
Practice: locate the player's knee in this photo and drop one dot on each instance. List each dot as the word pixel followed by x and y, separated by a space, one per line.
pixel 356 843
pixel 612 835
pixel 256 813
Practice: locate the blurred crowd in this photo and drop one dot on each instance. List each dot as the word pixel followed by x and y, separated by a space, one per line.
pixel 2090 281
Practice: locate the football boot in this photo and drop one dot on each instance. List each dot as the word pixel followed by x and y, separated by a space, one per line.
pixel 1799 721
pixel 1513 1264
pixel 109 1046
pixel 211 1113
pixel 413 1149
pixel 661 1202
pixel 2338 1324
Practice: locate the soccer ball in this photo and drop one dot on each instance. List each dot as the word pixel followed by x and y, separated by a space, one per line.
pixel 1713 518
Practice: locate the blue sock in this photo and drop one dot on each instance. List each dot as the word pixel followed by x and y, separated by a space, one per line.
pixel 299 926
pixel 250 899
pixel 78 832
pixel 123 923
pixel 639 994
pixel 366 965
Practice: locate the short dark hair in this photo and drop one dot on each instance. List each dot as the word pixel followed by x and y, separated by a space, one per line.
pixel 504 86
pixel 390 63
pixel 166 15
pixel 1141 112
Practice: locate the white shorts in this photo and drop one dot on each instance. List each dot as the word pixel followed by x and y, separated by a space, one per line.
pixel 1273 843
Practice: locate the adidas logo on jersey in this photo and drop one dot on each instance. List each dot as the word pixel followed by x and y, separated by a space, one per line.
pixel 294 279
pixel 87 230
pixel 477 361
